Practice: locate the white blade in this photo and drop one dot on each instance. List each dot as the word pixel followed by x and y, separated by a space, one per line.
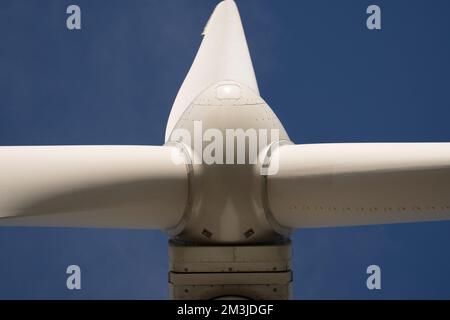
pixel 360 184
pixel 223 55
pixel 118 187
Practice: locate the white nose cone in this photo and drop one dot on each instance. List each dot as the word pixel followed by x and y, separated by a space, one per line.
pixel 223 55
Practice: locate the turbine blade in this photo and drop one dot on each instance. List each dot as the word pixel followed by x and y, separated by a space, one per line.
pixel 223 55
pixel 90 186
pixel 360 184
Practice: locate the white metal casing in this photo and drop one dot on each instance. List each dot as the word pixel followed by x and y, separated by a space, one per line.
pixel 227 204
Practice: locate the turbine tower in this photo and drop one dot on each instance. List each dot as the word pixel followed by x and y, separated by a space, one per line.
pixel 229 220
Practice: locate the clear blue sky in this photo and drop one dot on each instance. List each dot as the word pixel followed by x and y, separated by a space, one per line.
pixel 327 77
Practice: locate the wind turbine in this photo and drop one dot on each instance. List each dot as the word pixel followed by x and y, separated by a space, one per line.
pixel 229 221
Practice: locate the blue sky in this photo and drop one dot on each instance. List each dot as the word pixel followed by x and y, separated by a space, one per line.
pixel 327 77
